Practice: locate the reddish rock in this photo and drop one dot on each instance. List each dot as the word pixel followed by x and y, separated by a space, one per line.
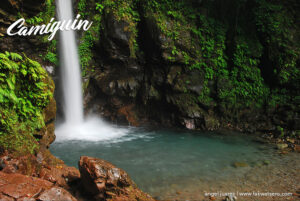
pixel 25 188
pixel 26 199
pixel 56 193
pixel 72 174
pixel 104 181
pixel 6 198
pixel 25 164
pixel 19 186
pixel 61 175
pixel 297 148
pixel 129 112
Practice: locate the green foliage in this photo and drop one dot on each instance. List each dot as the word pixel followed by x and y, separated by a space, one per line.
pixel 88 40
pixel 122 10
pixel 23 95
pixel 42 17
pixel 125 10
pixel 51 57
pixel 247 85
pixel 81 7
pixel 34 20
pixel 277 22
pixel 99 7
pixel 211 59
pixel 232 53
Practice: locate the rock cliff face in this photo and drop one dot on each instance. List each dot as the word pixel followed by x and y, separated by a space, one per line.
pixel 194 64
pixel 12 10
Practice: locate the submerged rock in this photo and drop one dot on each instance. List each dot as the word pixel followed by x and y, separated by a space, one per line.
pixel 240 164
pixel 104 181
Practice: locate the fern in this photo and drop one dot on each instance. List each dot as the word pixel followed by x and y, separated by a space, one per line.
pixel 15 56
pixel 23 95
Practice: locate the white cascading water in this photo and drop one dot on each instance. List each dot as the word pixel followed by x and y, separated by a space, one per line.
pixel 71 82
pixel 75 126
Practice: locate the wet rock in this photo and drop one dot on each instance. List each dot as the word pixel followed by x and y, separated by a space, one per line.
pixel 211 123
pixel 173 73
pixel 102 180
pixel 50 70
pixel 154 94
pixel 189 124
pixel 19 186
pixel 25 164
pixel 6 198
pixel 129 113
pixel 282 146
pixel 61 175
pixel 25 188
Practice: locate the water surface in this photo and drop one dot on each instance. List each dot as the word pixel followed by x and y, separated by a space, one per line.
pixel 163 162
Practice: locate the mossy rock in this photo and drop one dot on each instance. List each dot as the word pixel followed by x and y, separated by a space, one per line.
pixel 25 92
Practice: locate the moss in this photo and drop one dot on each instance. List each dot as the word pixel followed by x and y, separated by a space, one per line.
pixel 122 10
pixel 125 10
pixel 44 17
pixel 24 93
pixel 277 24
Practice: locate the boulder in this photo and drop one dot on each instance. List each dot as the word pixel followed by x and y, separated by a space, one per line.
pixel 21 187
pixel 56 193
pixel 104 181
pixel 61 175
pixel 24 164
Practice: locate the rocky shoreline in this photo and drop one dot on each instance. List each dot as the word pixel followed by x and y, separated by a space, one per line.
pixel 44 177
pixel 47 178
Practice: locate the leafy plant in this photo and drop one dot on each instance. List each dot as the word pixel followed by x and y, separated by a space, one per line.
pixel 24 93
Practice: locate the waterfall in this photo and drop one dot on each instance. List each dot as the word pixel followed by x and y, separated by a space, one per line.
pixel 75 127
pixel 70 68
